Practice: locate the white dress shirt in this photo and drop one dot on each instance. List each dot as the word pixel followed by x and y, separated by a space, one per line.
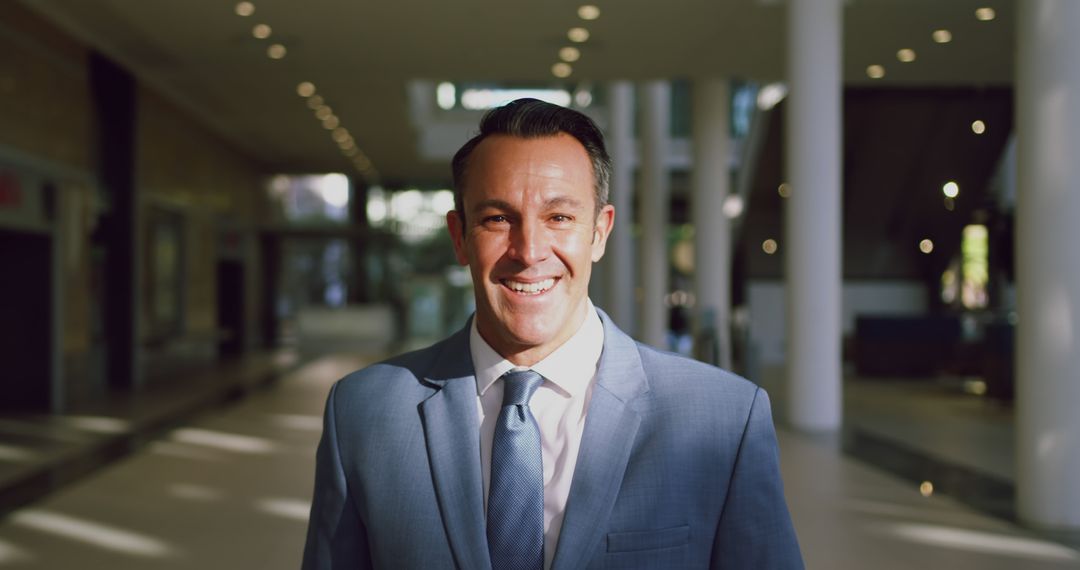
pixel 559 406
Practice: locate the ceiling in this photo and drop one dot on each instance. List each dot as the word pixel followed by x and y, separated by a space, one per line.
pixel 361 56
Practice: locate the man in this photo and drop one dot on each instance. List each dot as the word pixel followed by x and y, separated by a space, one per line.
pixel 542 436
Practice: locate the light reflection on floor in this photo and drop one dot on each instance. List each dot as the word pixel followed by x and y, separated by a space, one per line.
pixel 15 454
pixel 294 509
pixel 9 553
pixel 981 541
pixel 297 422
pixel 223 441
pixel 97 424
pixel 92 533
pixel 193 492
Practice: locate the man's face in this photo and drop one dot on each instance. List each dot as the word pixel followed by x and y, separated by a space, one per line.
pixel 529 237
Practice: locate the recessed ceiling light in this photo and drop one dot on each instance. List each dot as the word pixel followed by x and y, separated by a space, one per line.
pixel 314 102
pixel 950 189
pixel 926 246
pixel 769 246
pixel 942 36
pixel 561 70
pixel 245 9
pixel 906 55
pixel 261 31
pixel 588 12
pixel 323 112
pixel 569 54
pixel 875 71
pixel 985 14
pixel 306 89
pixel 340 135
pixel 276 51
pixel 578 35
pixel 978 127
pixel 330 123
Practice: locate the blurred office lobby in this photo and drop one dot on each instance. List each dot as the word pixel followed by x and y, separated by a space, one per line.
pixel 210 211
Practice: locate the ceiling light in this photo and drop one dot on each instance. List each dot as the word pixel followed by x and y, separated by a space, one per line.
pixel 732 206
pixel 330 123
pixel 978 127
pixel 569 54
pixel 942 36
pixel 578 35
pixel 347 144
pixel 588 12
pixel 350 151
pixel 771 94
pixel 906 55
pixel 261 31
pixel 926 246
pixel 784 190
pixel 276 51
pixel 769 246
pixel 985 14
pixel 875 71
pixel 951 189
pixel 245 9
pixel 561 70
pixel 306 89
pixel 314 102
pixel 340 135
pixel 583 98
pixel 446 95
pixel 323 112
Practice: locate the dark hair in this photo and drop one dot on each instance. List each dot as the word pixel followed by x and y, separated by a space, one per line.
pixel 529 119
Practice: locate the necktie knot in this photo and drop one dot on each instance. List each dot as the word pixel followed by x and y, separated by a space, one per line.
pixel 519 387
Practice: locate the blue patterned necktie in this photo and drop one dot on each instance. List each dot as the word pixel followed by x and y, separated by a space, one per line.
pixel 515 517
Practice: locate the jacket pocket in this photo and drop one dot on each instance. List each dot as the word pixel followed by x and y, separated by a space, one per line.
pixel 648 539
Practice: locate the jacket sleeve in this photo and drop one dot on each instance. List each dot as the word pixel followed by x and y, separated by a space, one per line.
pixel 755 529
pixel 336 537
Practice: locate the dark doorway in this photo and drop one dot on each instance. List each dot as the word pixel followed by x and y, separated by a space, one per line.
pixel 26 321
pixel 230 307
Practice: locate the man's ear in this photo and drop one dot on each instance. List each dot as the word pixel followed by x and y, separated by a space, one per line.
pixel 605 221
pixel 455 222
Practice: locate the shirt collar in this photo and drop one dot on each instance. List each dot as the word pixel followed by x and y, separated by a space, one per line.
pixel 570 367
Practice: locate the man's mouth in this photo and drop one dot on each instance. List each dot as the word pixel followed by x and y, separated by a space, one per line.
pixel 534 288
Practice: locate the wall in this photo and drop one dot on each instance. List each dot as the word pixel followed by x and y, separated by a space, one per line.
pixel 766 310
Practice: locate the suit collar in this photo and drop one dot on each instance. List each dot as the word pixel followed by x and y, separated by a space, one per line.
pixel 610 428
pixel 450 428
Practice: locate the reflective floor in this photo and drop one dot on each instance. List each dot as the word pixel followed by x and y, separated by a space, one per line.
pixel 231 489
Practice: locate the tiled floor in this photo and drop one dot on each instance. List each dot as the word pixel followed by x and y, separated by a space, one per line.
pixel 231 488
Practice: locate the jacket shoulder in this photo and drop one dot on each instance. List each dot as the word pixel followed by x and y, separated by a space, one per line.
pixel 680 376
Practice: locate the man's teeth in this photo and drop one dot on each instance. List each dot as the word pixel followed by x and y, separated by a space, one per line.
pixel 530 288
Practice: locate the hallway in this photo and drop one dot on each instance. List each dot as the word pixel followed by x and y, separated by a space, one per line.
pixel 231 489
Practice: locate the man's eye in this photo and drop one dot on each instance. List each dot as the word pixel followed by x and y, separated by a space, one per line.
pixel 561 218
pixel 495 219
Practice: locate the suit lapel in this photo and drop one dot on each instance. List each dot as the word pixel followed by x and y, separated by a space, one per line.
pixel 610 428
pixel 450 432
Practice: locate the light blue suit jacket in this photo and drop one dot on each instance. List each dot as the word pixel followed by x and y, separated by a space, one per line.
pixel 678 468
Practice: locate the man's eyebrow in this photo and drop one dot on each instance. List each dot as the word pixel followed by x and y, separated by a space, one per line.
pixel 556 202
pixel 492 203
pixel 562 201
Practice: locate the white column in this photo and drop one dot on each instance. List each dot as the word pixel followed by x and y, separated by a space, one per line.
pixel 811 241
pixel 620 247
pixel 712 230
pixel 654 198
pixel 1048 263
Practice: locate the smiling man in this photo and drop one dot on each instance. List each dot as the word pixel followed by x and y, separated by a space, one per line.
pixel 540 435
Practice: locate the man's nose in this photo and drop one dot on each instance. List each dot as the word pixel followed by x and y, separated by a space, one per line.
pixel 530 243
